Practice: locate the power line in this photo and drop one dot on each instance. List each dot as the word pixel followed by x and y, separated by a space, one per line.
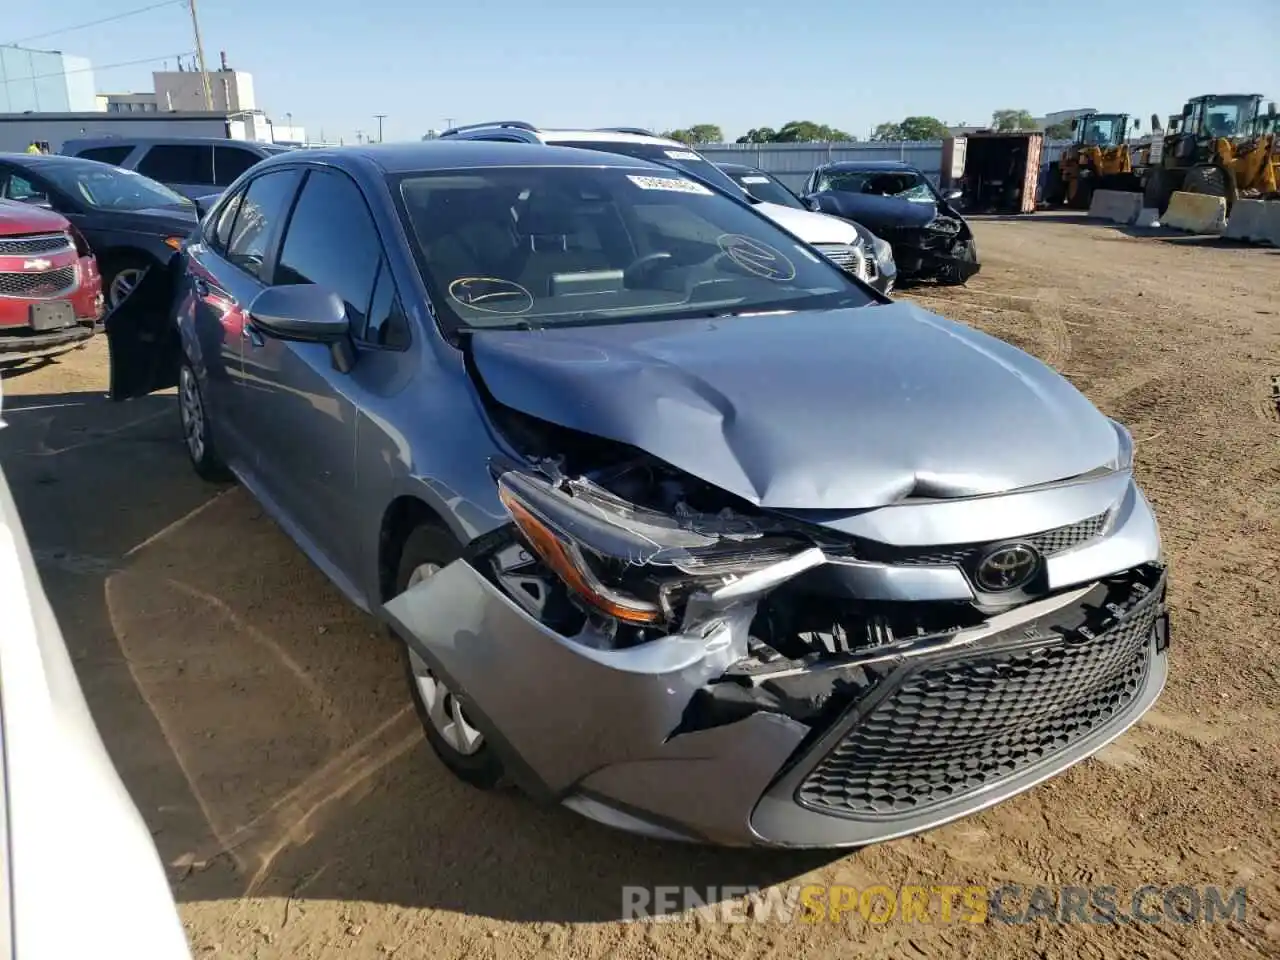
pixel 108 66
pixel 94 23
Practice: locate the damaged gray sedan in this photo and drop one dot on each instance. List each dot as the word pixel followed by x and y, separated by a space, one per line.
pixel 681 526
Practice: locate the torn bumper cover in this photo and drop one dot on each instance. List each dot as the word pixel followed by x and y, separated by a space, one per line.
pixel 943 249
pixel 699 677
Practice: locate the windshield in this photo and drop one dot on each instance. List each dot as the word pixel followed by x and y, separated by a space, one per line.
pixel 1227 117
pixel 764 187
pixel 1100 131
pixel 547 246
pixel 104 187
pixel 903 184
pixel 681 158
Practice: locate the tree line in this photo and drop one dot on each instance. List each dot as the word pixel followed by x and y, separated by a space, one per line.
pixel 909 128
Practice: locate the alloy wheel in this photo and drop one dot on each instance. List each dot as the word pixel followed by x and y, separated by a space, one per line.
pixel 191 410
pixel 444 710
pixel 122 285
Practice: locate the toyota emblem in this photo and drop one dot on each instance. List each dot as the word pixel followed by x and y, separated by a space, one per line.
pixel 1007 567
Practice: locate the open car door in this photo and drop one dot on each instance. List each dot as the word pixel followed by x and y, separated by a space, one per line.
pixel 142 338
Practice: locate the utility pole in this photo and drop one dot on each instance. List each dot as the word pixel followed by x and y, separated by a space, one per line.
pixel 380 117
pixel 448 123
pixel 204 74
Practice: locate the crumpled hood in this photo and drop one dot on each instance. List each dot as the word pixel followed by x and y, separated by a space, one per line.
pixel 878 212
pixel 841 409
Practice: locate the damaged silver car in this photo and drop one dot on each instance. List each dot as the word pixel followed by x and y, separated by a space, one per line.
pixel 681 526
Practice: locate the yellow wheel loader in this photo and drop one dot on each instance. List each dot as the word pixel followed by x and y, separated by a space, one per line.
pixel 1098 159
pixel 1224 145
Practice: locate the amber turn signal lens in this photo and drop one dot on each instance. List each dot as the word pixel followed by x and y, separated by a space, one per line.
pixel 568 565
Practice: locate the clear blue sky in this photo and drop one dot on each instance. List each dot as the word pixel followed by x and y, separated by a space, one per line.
pixel 672 63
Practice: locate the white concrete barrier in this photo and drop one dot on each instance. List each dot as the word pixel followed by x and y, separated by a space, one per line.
pixel 1118 206
pixel 1147 217
pixel 1196 213
pixel 1257 221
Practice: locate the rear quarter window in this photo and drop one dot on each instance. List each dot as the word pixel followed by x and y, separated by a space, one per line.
pixel 179 163
pixel 114 155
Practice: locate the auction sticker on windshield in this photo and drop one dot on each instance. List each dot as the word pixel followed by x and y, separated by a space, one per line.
pixel 755 179
pixel 668 183
pixel 682 155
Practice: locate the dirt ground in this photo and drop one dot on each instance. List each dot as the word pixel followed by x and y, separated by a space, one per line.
pixel 263 728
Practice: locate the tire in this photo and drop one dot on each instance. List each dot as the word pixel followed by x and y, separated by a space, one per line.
pixel 1055 190
pixel 1209 180
pixel 1084 194
pixel 197 435
pixel 426 547
pixel 1158 190
pixel 120 274
pixel 949 276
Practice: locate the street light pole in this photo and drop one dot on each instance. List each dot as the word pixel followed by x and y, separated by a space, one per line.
pixel 380 117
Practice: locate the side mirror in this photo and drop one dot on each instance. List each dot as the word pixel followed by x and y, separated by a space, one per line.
pixel 812 203
pixel 305 313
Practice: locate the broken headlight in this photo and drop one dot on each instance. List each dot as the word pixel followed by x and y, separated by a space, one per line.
pixel 631 563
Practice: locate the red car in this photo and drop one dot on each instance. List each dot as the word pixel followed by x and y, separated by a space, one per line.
pixel 50 288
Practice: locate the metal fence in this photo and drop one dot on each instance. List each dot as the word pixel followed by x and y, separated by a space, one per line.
pixel 793 162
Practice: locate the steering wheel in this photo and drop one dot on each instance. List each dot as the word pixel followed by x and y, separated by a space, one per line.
pixel 640 268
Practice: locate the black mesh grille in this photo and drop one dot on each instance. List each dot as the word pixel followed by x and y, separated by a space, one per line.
pixel 26 246
pixel 48 283
pixel 958 726
pixel 1047 542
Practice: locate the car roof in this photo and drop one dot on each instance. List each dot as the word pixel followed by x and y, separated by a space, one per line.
pixel 870 165
pixel 415 157
pixel 606 136
pixel 125 141
pixel 46 159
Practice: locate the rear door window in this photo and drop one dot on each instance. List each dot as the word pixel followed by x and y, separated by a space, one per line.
pixel 258 218
pixel 230 162
pixel 179 163
pixel 113 155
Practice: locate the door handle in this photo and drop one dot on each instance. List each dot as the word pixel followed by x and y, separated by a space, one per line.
pixel 250 332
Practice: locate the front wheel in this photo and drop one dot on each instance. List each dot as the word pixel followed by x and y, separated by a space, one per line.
pixel 121 273
pixel 456 741
pixel 952 275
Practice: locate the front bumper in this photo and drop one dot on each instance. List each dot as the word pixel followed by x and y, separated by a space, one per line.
pixel 923 735
pixel 921 254
pixel 17 345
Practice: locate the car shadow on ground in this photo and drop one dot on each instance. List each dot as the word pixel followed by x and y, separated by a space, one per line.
pixel 261 722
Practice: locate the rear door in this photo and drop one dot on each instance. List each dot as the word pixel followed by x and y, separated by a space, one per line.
pixel 225 270
pixel 184 167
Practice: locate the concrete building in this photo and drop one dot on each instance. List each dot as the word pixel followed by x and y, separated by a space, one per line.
pixel 44 81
